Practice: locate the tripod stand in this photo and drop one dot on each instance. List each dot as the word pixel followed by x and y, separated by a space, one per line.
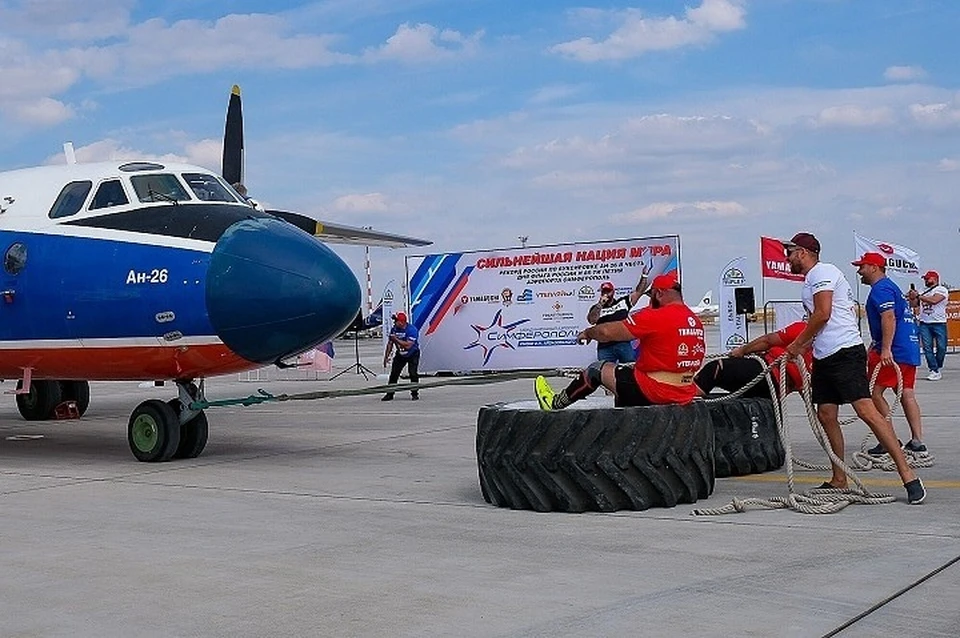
pixel 357 367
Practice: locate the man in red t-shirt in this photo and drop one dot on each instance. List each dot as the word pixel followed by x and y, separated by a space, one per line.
pixel 671 351
pixel 734 371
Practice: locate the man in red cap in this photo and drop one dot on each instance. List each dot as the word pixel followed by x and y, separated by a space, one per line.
pixel 405 338
pixel 839 359
pixel 671 351
pixel 611 308
pixel 893 333
pixel 933 322
pixel 734 371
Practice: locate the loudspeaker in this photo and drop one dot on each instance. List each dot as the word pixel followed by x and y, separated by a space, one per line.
pixel 743 299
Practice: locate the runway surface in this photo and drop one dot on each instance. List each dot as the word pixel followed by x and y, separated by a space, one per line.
pixel 354 517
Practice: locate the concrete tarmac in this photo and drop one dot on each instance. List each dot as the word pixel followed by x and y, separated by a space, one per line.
pixel 354 517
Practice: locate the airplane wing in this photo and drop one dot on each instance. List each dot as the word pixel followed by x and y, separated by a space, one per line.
pixel 341 234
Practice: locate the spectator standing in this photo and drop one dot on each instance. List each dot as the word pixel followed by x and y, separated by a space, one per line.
pixel 933 322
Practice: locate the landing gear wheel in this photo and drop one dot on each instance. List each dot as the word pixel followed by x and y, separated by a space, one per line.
pixel 153 432
pixel 40 402
pixel 602 459
pixel 78 392
pixel 747 440
pixel 193 433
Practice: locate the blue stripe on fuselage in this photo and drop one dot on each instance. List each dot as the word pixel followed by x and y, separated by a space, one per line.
pixel 81 288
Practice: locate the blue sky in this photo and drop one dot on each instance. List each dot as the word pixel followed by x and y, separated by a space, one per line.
pixel 472 122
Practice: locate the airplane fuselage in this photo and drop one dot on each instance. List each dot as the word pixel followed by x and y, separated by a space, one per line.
pixel 136 270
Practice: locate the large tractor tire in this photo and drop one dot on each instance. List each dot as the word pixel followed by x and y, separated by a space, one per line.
pixel 602 459
pixel 747 440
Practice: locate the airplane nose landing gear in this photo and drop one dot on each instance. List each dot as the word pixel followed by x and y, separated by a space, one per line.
pixel 160 431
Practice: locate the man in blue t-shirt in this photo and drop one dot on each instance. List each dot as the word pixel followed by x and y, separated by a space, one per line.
pixel 405 338
pixel 893 331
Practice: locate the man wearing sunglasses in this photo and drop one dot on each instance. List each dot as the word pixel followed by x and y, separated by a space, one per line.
pixel 839 359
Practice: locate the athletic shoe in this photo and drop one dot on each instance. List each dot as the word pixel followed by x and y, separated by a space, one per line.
pixel 414 396
pixel 879 450
pixel 387 397
pixel 915 492
pixel 934 376
pixel 916 448
pixel 544 393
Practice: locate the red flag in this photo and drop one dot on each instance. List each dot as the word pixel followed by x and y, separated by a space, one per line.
pixel 773 260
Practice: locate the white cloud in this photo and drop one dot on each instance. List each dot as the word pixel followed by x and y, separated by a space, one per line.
pixel 663 210
pixel 110 150
pixel 647 136
pixel 554 93
pixel 42 112
pixel 424 43
pixel 904 73
pixel 362 203
pixel 853 116
pixel 938 115
pixel 948 165
pixel 562 180
pixel 638 34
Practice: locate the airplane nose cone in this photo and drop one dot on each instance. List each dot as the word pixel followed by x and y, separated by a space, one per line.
pixel 274 291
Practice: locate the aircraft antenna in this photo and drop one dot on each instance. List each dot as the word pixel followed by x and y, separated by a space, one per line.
pixel 69 153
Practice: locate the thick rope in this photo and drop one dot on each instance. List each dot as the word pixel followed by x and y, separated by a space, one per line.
pixel 263 396
pixel 814 501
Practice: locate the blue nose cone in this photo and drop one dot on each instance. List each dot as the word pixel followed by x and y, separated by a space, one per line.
pixel 274 291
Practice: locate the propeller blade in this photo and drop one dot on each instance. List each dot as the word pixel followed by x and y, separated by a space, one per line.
pixel 340 234
pixel 232 165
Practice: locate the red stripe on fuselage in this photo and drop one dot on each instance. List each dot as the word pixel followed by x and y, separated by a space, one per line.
pixel 123 363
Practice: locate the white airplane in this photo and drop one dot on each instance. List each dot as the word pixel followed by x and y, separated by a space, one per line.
pixel 132 270
pixel 706 307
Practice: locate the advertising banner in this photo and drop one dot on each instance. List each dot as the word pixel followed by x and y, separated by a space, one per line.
pixel 773 261
pixel 953 319
pixel 516 308
pixel 390 305
pixel 733 327
pixel 901 260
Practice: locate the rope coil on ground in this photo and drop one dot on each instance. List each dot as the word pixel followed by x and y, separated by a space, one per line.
pixel 817 500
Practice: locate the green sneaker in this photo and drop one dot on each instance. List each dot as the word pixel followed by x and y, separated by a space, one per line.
pixel 544 393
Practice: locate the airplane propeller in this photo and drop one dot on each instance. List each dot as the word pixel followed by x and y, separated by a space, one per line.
pixel 232 171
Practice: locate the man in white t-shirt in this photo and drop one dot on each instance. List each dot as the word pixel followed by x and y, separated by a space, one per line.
pixel 839 359
pixel 933 322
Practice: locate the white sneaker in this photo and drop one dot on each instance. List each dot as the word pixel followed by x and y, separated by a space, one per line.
pixel 934 376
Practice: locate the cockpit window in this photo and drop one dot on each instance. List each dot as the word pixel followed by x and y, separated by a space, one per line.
pixel 208 188
pixel 109 193
pixel 71 198
pixel 159 187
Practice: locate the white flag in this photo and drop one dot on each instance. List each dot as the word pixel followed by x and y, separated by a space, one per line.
pixel 900 259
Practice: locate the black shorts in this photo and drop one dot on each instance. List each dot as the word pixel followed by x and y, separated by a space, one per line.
pixel 841 377
pixel 731 374
pixel 628 393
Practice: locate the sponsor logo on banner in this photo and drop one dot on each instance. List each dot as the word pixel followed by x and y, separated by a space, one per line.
pixel 733 277
pixel 526 296
pixel 506 296
pixel 900 259
pixel 586 293
pixel 773 261
pixel 493 336
pixel 735 341
pixel 388 295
